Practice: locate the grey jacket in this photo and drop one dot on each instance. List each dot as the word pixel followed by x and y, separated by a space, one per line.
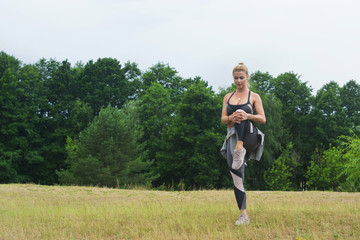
pixel 230 143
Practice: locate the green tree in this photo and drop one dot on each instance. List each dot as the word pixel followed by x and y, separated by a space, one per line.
pixel 8 62
pixel 351 104
pixel 59 80
pixel 328 115
pixel 18 108
pixel 261 82
pixel 106 153
pixel 46 69
pixel 160 92
pixel 191 145
pixel 278 177
pixel 32 163
pixel 167 77
pixel 296 100
pixel 80 114
pixel 155 114
pixel 133 75
pixel 325 168
pixel 295 97
pixel 104 82
pixel 10 117
pixel 19 117
pixel 351 170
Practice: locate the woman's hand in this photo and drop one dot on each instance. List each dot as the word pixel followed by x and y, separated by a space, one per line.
pixel 244 116
pixel 238 116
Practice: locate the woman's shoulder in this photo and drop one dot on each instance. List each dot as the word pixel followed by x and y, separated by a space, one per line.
pixel 255 98
pixel 228 95
pixel 254 94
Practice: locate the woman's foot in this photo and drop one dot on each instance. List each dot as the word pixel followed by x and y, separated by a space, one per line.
pixel 243 219
pixel 238 158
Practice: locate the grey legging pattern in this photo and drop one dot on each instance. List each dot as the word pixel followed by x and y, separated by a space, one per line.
pixel 238 178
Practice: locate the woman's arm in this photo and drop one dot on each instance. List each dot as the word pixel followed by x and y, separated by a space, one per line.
pixel 225 119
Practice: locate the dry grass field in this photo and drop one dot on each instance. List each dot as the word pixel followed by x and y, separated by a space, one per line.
pixel 30 211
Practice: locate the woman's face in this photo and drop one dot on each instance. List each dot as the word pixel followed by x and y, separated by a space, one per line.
pixel 240 79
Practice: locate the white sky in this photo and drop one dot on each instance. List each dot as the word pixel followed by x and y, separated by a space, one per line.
pixel 318 39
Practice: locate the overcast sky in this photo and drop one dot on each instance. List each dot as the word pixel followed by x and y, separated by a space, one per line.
pixel 318 39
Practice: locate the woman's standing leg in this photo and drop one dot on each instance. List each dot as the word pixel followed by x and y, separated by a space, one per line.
pixel 239 190
pixel 240 195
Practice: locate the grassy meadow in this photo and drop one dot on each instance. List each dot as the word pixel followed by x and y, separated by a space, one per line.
pixel 30 211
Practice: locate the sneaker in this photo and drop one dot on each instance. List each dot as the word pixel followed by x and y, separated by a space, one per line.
pixel 243 219
pixel 238 158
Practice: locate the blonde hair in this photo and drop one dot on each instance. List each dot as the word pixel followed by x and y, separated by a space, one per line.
pixel 241 68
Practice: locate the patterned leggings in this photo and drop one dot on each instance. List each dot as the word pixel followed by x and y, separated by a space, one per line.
pixel 238 178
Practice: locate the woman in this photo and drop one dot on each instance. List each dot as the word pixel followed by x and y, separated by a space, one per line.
pixel 243 140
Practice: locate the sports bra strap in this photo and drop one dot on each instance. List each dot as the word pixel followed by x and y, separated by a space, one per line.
pixel 249 97
pixel 230 97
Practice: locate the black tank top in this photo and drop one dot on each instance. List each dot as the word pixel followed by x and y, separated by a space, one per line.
pixel 232 108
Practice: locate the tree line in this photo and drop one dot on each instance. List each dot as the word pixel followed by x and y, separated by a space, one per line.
pixel 110 124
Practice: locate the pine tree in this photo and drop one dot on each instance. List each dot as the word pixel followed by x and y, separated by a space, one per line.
pixel 106 153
